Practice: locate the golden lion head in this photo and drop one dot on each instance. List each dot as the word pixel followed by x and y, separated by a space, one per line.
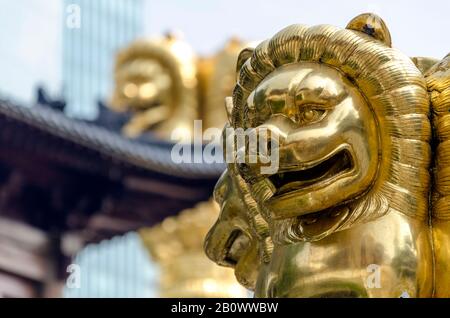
pixel 156 81
pixel 351 114
pixel 240 237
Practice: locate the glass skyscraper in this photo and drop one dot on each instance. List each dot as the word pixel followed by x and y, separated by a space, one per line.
pixel 120 267
pixel 89 50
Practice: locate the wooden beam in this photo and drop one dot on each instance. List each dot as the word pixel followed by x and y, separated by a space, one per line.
pixel 14 287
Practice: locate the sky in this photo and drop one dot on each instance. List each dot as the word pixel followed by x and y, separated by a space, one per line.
pixel 30 40
pixel 417 27
pixel 30 30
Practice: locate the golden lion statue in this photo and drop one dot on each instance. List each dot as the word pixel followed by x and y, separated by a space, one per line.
pixel 157 81
pixel 360 204
pixel 166 86
pixel 240 237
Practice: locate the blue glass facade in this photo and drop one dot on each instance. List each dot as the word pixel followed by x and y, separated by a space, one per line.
pixel 119 267
pixel 89 51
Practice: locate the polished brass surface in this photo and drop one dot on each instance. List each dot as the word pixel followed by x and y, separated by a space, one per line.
pixel 438 82
pixel 349 208
pixel 424 63
pixel 176 245
pixel 322 119
pixel 340 265
pixel 240 236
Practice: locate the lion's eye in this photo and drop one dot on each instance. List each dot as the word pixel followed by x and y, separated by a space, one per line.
pixel 310 115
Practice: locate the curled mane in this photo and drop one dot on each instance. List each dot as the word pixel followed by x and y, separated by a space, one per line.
pixel 438 81
pixel 254 215
pixel 395 90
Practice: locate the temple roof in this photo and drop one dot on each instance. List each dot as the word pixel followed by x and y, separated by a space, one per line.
pixel 64 173
pixel 91 142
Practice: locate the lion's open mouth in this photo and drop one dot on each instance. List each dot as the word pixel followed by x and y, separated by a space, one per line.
pixel 235 247
pixel 292 180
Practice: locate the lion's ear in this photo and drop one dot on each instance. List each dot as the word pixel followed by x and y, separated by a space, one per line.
pixel 372 25
pixel 243 57
pixel 229 107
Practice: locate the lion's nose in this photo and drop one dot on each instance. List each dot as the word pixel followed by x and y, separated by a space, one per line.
pixel 210 244
pixel 261 149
